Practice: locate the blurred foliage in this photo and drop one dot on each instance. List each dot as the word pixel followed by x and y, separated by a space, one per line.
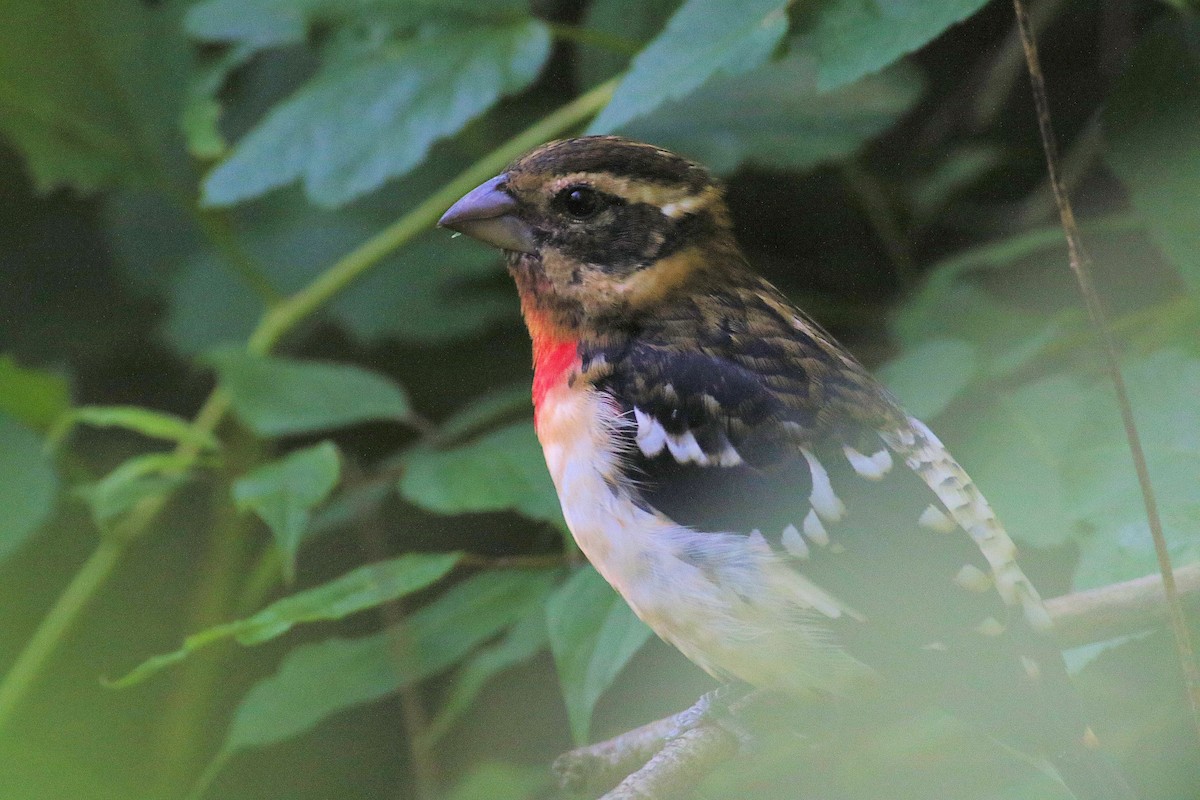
pixel 355 538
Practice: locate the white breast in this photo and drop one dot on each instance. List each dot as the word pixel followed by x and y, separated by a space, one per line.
pixel 726 600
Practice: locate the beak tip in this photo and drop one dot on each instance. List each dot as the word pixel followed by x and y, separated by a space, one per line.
pixel 486 213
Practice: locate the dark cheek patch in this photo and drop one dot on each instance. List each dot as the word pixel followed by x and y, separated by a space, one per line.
pixel 621 240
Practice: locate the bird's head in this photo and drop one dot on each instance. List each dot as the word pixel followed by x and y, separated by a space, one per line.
pixel 600 229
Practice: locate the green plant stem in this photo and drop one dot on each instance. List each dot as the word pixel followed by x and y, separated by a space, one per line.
pixel 79 591
pixel 185 721
pixel 280 319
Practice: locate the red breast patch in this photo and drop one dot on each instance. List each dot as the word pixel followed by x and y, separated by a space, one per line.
pixel 552 360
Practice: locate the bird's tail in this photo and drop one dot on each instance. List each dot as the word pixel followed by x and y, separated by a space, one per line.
pixel 1090 773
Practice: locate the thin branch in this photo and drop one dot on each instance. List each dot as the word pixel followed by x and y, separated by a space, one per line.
pixel 651 762
pixel 1081 266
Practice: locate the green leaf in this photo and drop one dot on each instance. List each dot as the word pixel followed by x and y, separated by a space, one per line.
pixel 494 780
pixel 522 642
pixel 636 23
pixel 1101 485
pixel 271 23
pixel 702 39
pixel 593 634
pixel 283 396
pixel 366 587
pixel 1018 450
pixel 34 397
pixel 929 377
pixel 853 38
pixel 28 483
pixel 362 121
pixel 1153 122
pixel 284 493
pixel 426 295
pixel 317 680
pixel 503 470
pixel 135 479
pixel 59 63
pixel 485 411
pixel 146 421
pixel 774 116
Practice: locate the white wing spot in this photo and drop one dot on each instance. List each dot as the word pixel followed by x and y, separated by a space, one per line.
pixel 823 500
pixel 990 627
pixel 814 530
pixel 651 437
pixel 729 457
pixel 973 579
pixel 932 518
pixel 872 467
pixel 758 541
pixel 794 543
pixel 1035 612
pixel 685 448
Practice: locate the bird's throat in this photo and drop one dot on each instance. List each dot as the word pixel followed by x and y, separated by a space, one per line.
pixel 555 355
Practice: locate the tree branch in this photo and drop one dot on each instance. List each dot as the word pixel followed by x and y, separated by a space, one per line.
pixel 652 762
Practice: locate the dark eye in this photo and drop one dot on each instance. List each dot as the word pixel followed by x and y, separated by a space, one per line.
pixel 580 202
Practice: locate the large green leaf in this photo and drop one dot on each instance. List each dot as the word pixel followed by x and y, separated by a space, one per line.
pixel 317 680
pixel 503 470
pixel 363 120
pixel 493 780
pixel 703 38
pixel 1018 449
pixel 284 493
pixel 28 483
pixel 1101 485
pixel 271 23
pixel 774 116
pixel 282 396
pixel 1153 122
pixel 88 91
pixel 525 639
pixel 853 38
pixel 593 634
pixel 632 23
pixel 427 291
pixel 366 587
pixel 929 377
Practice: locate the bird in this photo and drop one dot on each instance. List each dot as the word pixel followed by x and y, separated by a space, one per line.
pixel 754 494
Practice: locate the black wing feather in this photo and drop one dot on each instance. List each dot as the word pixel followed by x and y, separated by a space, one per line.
pixel 922 628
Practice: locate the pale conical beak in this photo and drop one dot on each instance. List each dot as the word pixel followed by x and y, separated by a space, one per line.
pixel 489 214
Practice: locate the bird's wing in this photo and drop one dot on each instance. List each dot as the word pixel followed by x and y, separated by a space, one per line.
pixel 868 506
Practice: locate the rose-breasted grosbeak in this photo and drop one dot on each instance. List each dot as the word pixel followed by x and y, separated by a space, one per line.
pixel 755 495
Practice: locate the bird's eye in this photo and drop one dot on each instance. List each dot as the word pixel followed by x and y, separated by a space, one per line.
pixel 580 202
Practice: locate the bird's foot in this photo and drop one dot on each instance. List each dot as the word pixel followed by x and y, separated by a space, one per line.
pixel 717 708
